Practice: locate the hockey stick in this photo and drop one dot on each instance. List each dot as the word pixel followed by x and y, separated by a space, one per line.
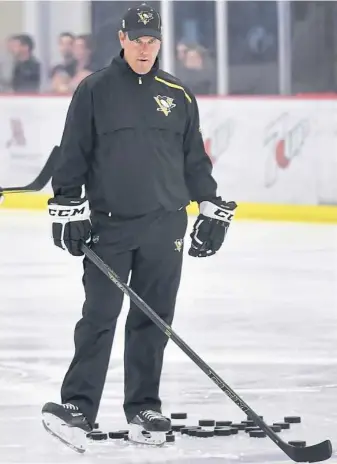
pixel 315 453
pixel 41 180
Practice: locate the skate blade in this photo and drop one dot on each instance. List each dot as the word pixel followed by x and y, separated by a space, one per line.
pixel 73 437
pixel 138 435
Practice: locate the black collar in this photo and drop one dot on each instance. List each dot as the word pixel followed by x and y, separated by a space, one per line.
pixel 124 67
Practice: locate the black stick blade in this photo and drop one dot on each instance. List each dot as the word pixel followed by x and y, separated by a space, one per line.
pixel 315 453
pixel 41 180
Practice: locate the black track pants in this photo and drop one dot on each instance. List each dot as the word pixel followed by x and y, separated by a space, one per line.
pixel 155 267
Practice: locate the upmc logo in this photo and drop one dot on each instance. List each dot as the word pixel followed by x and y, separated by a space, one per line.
pixel 284 140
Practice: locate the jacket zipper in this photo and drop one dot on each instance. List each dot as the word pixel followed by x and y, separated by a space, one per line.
pixel 140 80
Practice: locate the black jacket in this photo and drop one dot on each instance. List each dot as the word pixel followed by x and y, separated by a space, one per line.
pixel 134 142
pixel 26 76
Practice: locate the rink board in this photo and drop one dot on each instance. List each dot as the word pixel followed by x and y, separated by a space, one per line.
pixel 276 157
pixel 297 213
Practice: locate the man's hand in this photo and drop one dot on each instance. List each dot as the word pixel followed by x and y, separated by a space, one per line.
pixel 71 224
pixel 211 227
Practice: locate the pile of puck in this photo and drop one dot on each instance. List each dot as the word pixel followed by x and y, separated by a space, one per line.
pixel 212 428
pixel 206 428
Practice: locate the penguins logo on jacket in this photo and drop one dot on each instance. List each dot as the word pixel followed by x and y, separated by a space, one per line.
pixel 165 104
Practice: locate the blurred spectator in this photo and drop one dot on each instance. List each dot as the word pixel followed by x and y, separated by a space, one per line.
pixel 26 72
pixel 83 53
pixel 66 49
pixel 181 50
pixel 66 79
pixel 197 71
pixel 62 73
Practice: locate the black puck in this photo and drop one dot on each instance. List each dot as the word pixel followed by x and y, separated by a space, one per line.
pixel 222 432
pixel 98 436
pixel 204 433
pixel 184 431
pixel 177 427
pixel 275 428
pixel 118 434
pixel 126 437
pixel 257 434
pixel 234 431
pixel 207 423
pixel 223 423
pixel 298 443
pixel 249 422
pixel 170 438
pixel 96 425
pixel 238 426
pixel 251 429
pixel 283 425
pixel 179 415
pixel 95 431
pixel 292 419
pixel 192 432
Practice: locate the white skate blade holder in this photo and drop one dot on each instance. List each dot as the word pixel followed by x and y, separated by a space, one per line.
pixel 74 437
pixel 137 434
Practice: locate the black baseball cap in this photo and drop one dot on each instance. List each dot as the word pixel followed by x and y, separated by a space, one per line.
pixel 141 21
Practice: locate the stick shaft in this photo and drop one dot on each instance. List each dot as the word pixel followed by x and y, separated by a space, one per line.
pixel 92 256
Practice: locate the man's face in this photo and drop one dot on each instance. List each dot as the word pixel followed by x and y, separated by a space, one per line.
pixel 140 53
pixel 66 44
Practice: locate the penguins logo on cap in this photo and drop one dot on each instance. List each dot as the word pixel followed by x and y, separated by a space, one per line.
pixel 145 17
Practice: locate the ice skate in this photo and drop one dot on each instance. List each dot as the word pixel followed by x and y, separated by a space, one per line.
pixel 149 428
pixel 67 423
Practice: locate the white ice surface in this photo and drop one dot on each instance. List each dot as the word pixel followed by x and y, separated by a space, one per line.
pixel 262 313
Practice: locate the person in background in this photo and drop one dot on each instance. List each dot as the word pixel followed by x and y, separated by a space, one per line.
pixel 62 73
pixel 181 50
pixel 79 53
pixel 196 71
pixel 83 53
pixel 66 50
pixel 26 75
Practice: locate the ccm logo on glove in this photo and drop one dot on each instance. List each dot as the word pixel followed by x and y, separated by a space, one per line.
pixel 211 227
pixel 66 212
pixel 71 224
pixel 223 214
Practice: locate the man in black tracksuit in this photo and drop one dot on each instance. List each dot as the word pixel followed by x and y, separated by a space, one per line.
pixel 132 138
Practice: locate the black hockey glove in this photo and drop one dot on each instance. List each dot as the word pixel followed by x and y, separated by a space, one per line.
pixel 211 227
pixel 71 223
